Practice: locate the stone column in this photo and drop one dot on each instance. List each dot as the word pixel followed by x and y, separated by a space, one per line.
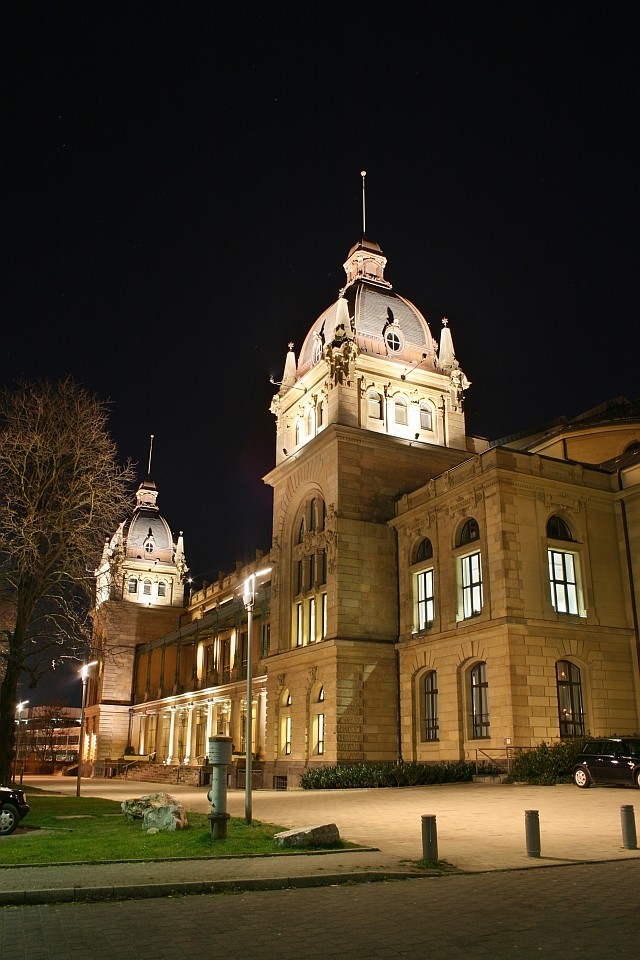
pixel 189 737
pixel 172 736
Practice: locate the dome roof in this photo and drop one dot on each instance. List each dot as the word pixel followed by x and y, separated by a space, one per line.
pixel 382 322
pixel 147 536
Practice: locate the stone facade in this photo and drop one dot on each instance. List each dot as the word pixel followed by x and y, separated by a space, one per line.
pixel 427 596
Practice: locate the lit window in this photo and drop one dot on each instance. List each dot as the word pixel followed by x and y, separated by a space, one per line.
pixel 424 599
pixel 321 733
pixel 324 615
pixel 562 579
pixel 162 589
pixel 400 411
pixel 287 735
pixel 570 712
pixel 146 588
pixel 480 726
pixel 471 585
pixel 312 620
pixel 430 706
pixel 132 585
pixel 299 624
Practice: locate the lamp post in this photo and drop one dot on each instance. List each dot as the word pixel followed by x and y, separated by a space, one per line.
pixel 20 707
pixel 248 599
pixel 84 674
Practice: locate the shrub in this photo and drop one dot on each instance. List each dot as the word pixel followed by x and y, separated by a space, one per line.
pixel 346 777
pixel 548 763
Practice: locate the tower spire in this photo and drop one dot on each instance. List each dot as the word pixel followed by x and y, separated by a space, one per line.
pixel 363 174
pixel 150 455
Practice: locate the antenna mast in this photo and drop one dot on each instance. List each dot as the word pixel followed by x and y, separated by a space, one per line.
pixel 150 453
pixel 363 174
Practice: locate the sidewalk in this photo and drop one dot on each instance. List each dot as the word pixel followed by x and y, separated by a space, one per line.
pixel 480 828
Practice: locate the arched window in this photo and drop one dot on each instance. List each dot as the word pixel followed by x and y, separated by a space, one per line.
pixel 426 415
pixel 424 551
pixel 309 574
pixel 400 413
pixel 430 726
pixel 469 532
pixel 162 588
pixel 298 432
pixel 146 588
pixel 558 529
pixel 374 405
pixel 480 725
pixel 564 570
pixel 570 711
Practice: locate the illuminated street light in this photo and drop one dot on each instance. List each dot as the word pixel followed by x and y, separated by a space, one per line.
pixel 20 707
pixel 84 674
pixel 248 599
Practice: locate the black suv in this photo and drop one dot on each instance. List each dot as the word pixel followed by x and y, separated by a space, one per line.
pixel 13 807
pixel 614 760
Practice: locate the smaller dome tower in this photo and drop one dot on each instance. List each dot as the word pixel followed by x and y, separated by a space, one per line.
pixel 142 563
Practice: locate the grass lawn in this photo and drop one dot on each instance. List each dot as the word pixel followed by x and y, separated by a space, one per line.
pixel 95 830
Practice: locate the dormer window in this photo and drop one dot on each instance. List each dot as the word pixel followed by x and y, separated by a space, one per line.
pixel 148 547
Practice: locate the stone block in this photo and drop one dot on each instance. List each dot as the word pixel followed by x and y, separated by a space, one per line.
pixel 324 835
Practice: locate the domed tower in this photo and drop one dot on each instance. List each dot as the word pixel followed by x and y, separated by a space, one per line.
pixel 139 597
pixel 371 410
pixel 370 361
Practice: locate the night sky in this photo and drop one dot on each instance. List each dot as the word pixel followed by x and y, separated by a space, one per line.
pixel 184 185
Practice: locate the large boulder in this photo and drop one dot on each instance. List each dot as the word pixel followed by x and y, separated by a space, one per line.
pixel 148 809
pixel 171 817
pixel 324 835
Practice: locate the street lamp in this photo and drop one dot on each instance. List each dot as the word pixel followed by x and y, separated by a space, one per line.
pixel 20 707
pixel 248 599
pixel 84 674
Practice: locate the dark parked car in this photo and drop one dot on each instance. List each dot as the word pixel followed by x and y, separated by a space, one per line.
pixel 614 760
pixel 13 807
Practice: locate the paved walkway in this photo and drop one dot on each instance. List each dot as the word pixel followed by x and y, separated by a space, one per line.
pixel 480 828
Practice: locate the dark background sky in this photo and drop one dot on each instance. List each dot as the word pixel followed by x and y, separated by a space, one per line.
pixel 183 187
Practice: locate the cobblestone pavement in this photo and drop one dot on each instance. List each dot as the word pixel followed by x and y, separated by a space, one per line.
pixel 587 910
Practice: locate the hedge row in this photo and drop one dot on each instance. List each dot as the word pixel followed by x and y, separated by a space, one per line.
pixel 546 764
pixel 386 775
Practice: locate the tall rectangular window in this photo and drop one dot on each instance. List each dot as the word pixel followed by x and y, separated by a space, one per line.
pixel 321 733
pixel 430 706
pixel 287 735
pixel 299 624
pixel 563 582
pixel 324 615
pixel 424 598
pixel 312 620
pixel 471 579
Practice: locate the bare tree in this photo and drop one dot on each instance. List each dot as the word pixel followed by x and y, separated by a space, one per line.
pixel 62 492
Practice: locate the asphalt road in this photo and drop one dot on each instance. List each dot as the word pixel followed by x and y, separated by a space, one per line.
pixel 586 910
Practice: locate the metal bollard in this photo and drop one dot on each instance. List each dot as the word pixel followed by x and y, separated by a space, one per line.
pixel 429 837
pixel 220 758
pixel 628 821
pixel 532 832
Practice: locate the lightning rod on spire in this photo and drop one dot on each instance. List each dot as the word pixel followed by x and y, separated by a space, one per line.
pixel 150 453
pixel 363 174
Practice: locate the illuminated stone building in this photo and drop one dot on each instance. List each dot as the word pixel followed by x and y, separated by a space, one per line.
pixel 428 595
